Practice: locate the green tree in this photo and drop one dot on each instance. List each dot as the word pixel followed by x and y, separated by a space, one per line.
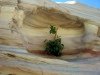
pixel 54 47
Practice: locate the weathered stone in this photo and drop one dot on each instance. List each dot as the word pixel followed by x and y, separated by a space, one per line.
pixel 24 25
pixel 29 22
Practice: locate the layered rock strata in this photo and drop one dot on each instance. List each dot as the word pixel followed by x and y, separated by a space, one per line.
pixel 26 24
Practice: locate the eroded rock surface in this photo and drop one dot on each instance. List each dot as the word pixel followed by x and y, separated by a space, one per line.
pixel 16 61
pixel 26 23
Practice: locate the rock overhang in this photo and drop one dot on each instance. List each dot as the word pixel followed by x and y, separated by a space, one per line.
pixel 37 14
pixel 50 15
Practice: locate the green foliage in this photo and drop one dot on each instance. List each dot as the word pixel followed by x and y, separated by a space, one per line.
pixel 53 30
pixel 54 47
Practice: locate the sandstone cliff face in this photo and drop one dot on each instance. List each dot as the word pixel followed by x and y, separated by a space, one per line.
pixel 16 61
pixel 25 23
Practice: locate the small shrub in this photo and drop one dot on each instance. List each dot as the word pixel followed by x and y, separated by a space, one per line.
pixel 54 47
